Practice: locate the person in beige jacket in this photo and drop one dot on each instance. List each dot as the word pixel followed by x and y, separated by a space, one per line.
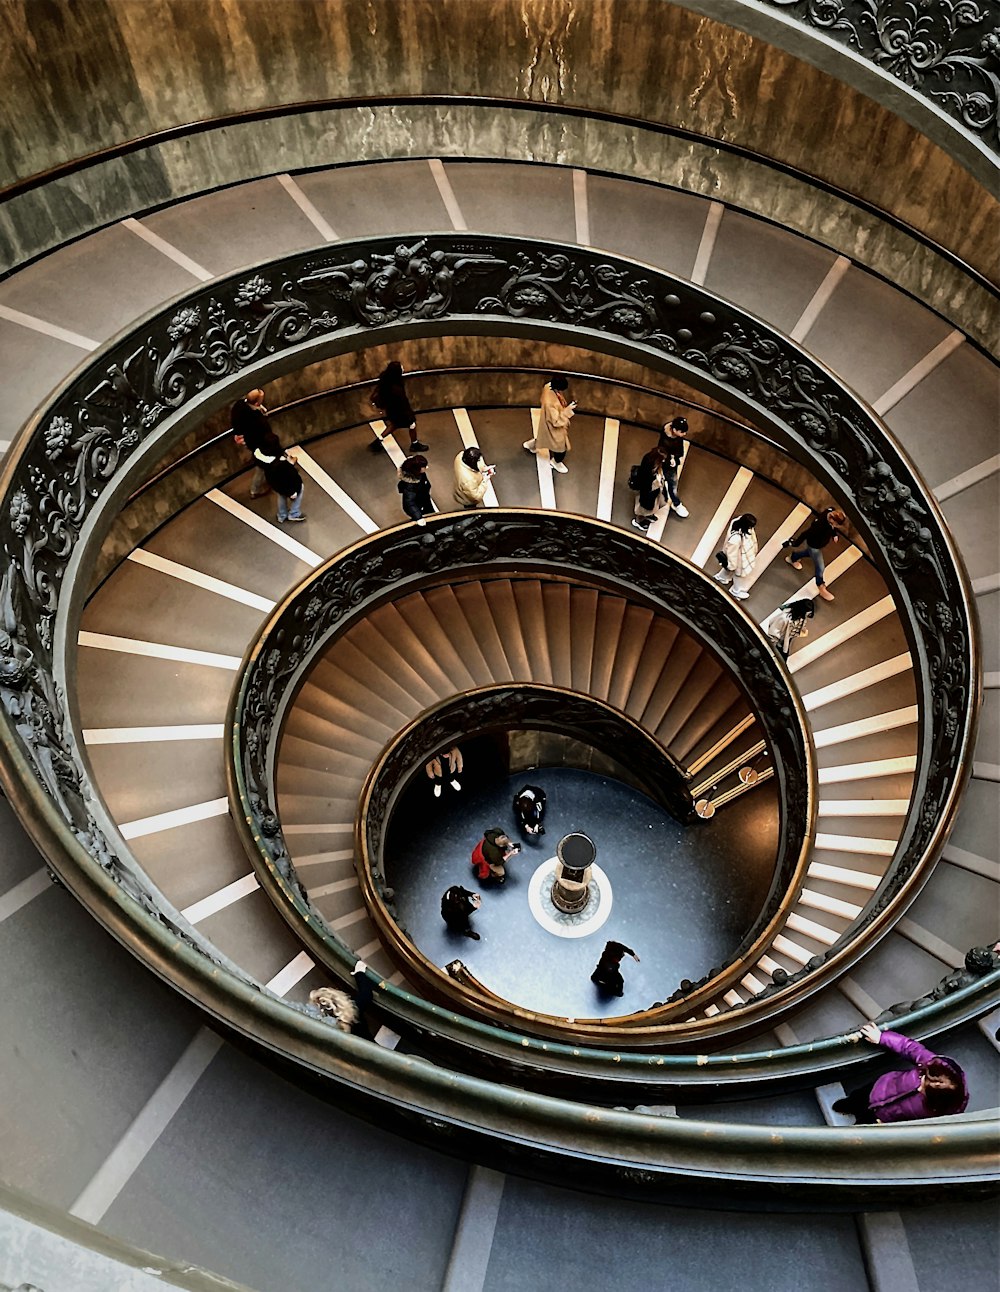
pixel 552 440
pixel 472 477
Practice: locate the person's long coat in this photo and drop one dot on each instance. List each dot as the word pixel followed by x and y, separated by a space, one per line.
pixel 553 425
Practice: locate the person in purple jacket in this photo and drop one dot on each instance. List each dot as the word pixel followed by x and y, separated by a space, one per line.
pixel 935 1087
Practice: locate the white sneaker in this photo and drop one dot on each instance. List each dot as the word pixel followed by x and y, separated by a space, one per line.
pixel 437 791
pixel 561 467
pixel 681 511
pixel 740 596
pixel 455 785
pixel 722 577
pixel 530 446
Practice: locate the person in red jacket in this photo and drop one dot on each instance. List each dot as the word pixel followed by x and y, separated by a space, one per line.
pixel 491 854
pixel 934 1087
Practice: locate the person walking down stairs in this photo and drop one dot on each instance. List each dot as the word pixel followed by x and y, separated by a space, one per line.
pixel 389 398
pixel 651 488
pixel 672 438
pixel 934 1087
pixel 552 441
pixel 789 622
pixel 283 477
pixel 250 427
pixel 472 478
pixel 739 555
pixel 415 489
pixel 824 529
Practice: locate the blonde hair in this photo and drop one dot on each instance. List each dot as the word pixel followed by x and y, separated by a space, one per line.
pixel 336 1005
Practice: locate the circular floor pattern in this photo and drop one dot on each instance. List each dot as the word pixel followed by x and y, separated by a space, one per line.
pixel 578 924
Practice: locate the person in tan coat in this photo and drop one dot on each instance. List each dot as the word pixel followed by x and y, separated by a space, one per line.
pixel 472 477
pixel 552 440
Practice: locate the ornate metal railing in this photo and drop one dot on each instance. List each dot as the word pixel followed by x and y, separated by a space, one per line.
pixel 83 454
pixel 406 558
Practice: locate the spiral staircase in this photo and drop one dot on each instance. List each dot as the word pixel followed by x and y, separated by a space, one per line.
pixel 126 1111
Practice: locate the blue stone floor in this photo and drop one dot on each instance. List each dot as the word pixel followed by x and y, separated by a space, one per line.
pixel 684 895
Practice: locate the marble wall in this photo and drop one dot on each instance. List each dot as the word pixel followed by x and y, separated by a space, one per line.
pixel 82 78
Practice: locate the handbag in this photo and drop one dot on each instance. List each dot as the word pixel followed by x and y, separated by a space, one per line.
pixel 723 559
pixel 633 478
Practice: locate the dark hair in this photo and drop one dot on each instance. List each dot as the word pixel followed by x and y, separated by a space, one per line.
pixel 941 1100
pixel 472 456
pixel 835 517
pixel 804 608
pixel 391 372
pixel 558 383
pixel 679 424
pixel 745 523
pixel 412 466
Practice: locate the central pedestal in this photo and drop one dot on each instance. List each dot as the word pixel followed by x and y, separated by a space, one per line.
pixel 575 857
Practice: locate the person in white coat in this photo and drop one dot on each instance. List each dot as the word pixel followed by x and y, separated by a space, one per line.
pixel 789 622
pixel 739 555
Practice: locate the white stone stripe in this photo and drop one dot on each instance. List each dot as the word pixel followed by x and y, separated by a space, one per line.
pixel 984 866
pixel 885 1244
pixel 167 249
pixel 352 917
pixel 717 528
pixel 863 807
pixel 21 894
pixel 468 434
pixel 218 901
pixel 810 929
pixel 199 580
pixel 447 193
pixel 856 682
pixel 931 943
pixel 917 373
pixel 330 487
pixel 733 998
pixel 842 875
pixel 991 681
pixel 153 735
pixel 4 446
pixel 867 771
pixel 786 1034
pixel 285 979
pixel 987 583
pixel 143 826
pixel 866 1005
pixel 158 650
pixel 786 947
pixel 130 1151
pixel 767 964
pixel 369 949
pixel 787 529
pixel 856 843
pixel 474 1232
pixel 712 1011
pixel 707 244
pixel 844 632
pixel 323 858
pixel 337 886
pixel 322 827
pixel 609 466
pixel 396 455
pixel 318 222
pixel 546 487
pixel 871 726
pixel 47 329
pixel 832 905
pixel 752 984
pixel 965 479
pixel 820 297
pixel 397 979
pixel 986 771
pixel 581 208
pixel 840 565
pixel 265 527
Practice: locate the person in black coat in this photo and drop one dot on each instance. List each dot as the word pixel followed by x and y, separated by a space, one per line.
pixel 608 975
pixel 651 490
pixel 389 397
pixel 671 441
pixel 529 808
pixel 250 426
pixel 415 488
pixel 457 905
pixel 283 477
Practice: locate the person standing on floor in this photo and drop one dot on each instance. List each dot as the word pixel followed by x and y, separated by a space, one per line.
pixel 529 808
pixel 435 769
pixel 671 441
pixel 608 975
pixel 491 854
pixel 651 488
pixel 787 623
pixel 824 528
pixel 283 477
pixel 389 397
pixel 415 488
pixel 472 478
pixel 250 425
pixel 552 440
pixel 934 1087
pixel 739 555
pixel 457 905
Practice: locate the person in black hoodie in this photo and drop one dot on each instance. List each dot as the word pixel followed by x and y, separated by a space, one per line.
pixel 250 426
pixel 389 397
pixel 415 488
pixel 281 474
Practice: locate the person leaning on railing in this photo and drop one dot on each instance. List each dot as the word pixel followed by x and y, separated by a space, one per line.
pixel 934 1087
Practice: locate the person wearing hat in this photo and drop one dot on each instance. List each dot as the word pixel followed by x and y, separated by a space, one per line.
pixel 671 441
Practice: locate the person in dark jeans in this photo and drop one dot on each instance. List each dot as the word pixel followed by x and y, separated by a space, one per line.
pixel 283 477
pixel 651 491
pixel 824 528
pixel 608 975
pixel 250 427
pixel 415 488
pixel 529 808
pixel 389 397
pixel 457 905
pixel 671 441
